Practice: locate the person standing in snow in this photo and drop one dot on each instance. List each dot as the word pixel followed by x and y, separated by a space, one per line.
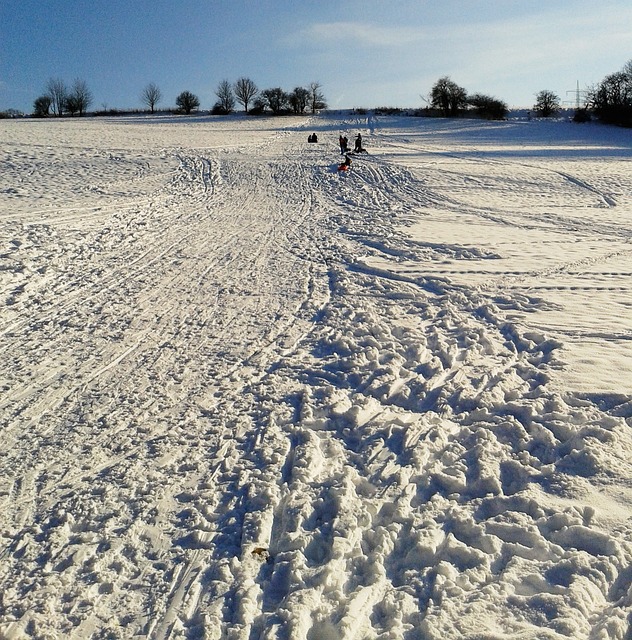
pixel 358 144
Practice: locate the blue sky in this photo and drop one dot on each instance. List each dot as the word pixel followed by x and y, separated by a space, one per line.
pixel 365 53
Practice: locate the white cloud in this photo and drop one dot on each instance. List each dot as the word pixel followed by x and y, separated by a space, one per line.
pixel 560 29
pixel 511 57
pixel 363 33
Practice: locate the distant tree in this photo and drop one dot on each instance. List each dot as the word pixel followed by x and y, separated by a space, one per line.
pixel 245 91
pixel 11 113
pixel 259 105
pixel 299 99
pixel 448 97
pixel 41 106
pixel 613 91
pixel 611 99
pixel 57 91
pixel 226 97
pixel 488 107
pixel 80 96
pixel 151 96
pixel 276 99
pixel 187 102
pixel 70 105
pixel 547 104
pixel 316 97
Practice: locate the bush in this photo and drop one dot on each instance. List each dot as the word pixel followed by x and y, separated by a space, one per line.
pixel 581 115
pixel 11 113
pixel 219 110
pixel 187 102
pixel 488 107
pixel 388 111
pixel 41 106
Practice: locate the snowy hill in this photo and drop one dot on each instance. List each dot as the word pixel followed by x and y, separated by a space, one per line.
pixel 247 396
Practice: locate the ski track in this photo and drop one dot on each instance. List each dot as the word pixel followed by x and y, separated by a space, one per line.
pixel 229 411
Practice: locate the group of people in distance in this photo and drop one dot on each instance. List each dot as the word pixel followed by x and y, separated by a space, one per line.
pixel 344 145
pixel 344 148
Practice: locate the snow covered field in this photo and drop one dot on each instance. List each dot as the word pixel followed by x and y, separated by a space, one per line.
pixel 246 397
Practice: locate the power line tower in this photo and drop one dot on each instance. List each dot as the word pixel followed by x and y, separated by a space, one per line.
pixel 579 96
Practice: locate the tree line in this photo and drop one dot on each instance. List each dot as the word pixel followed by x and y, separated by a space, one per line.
pixel 609 100
pixel 450 100
pixel 245 92
pixel 59 99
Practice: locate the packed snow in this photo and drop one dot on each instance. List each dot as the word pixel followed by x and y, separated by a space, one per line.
pixel 246 396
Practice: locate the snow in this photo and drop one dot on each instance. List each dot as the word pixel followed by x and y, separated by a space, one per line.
pixel 245 396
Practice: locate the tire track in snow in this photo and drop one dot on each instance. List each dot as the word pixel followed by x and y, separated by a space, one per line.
pixel 258 360
pixel 222 269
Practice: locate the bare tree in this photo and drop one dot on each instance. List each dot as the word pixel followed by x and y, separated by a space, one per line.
pixel 299 99
pixel 58 93
pixel 547 103
pixel 611 99
pixel 276 99
pixel 226 102
pixel 70 105
pixel 317 98
pixel 151 96
pixel 245 91
pixel 448 97
pixel 187 102
pixel 81 96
